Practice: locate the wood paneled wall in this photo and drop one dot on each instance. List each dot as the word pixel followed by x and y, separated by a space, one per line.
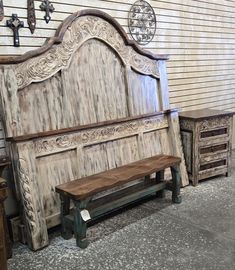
pixel 198 35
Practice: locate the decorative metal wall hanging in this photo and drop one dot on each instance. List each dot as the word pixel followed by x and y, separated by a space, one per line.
pixel 142 22
pixel 47 6
pixel 1 10
pixel 15 24
pixel 31 16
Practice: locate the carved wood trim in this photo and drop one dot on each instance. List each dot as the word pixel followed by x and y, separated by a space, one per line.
pixel 55 144
pixel 27 198
pixel 58 38
pixel 82 29
pixel 214 123
pixel 34 219
pixel 90 126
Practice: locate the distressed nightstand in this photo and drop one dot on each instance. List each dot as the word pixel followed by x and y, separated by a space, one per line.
pixel 207 142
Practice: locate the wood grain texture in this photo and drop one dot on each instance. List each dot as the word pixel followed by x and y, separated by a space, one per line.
pixel 176 145
pixel 85 187
pixel 96 77
pixel 143 94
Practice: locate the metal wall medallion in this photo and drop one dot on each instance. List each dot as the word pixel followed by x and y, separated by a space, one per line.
pixel 142 22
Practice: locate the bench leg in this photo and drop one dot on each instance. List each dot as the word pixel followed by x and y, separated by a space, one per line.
pixel 80 226
pixel 66 233
pixel 160 178
pixel 176 179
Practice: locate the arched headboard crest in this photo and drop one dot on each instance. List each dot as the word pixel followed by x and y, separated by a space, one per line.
pixel 75 31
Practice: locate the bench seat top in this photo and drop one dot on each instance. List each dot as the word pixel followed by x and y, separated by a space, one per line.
pixel 88 186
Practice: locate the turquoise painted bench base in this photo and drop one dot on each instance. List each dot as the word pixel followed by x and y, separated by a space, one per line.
pixel 75 221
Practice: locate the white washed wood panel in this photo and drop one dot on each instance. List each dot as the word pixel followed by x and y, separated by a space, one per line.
pixel 193 33
pixel 54 170
pixel 143 94
pixel 96 77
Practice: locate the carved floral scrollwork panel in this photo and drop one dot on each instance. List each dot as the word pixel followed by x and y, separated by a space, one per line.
pixel 213 123
pixel 58 143
pixel 84 28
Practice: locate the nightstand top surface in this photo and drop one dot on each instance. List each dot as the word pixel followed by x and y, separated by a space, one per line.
pixel 197 115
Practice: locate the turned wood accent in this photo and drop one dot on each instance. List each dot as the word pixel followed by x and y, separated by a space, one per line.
pixel 82 192
pixel 88 101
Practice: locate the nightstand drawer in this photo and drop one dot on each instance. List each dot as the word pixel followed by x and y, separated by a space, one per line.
pixel 213 165
pixel 214 149
pixel 212 157
pixel 221 132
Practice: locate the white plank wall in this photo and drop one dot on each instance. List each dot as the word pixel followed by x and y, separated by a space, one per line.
pixel 198 35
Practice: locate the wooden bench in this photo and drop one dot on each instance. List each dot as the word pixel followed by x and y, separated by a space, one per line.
pixel 82 190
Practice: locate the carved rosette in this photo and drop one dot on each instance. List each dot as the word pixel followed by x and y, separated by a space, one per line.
pixel 26 193
pixel 84 28
pixel 57 143
pixel 214 123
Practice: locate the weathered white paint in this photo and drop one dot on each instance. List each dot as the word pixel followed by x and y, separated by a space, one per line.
pixel 199 36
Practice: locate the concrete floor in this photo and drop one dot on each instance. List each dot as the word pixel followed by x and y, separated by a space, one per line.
pixel 197 234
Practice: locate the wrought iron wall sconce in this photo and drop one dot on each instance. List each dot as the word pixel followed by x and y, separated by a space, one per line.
pixel 142 22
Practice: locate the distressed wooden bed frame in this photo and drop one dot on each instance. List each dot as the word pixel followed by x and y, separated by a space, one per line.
pixel 87 101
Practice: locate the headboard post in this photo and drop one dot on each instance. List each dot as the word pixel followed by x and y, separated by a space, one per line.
pixel 164 85
pixel 31 199
pixel 9 99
